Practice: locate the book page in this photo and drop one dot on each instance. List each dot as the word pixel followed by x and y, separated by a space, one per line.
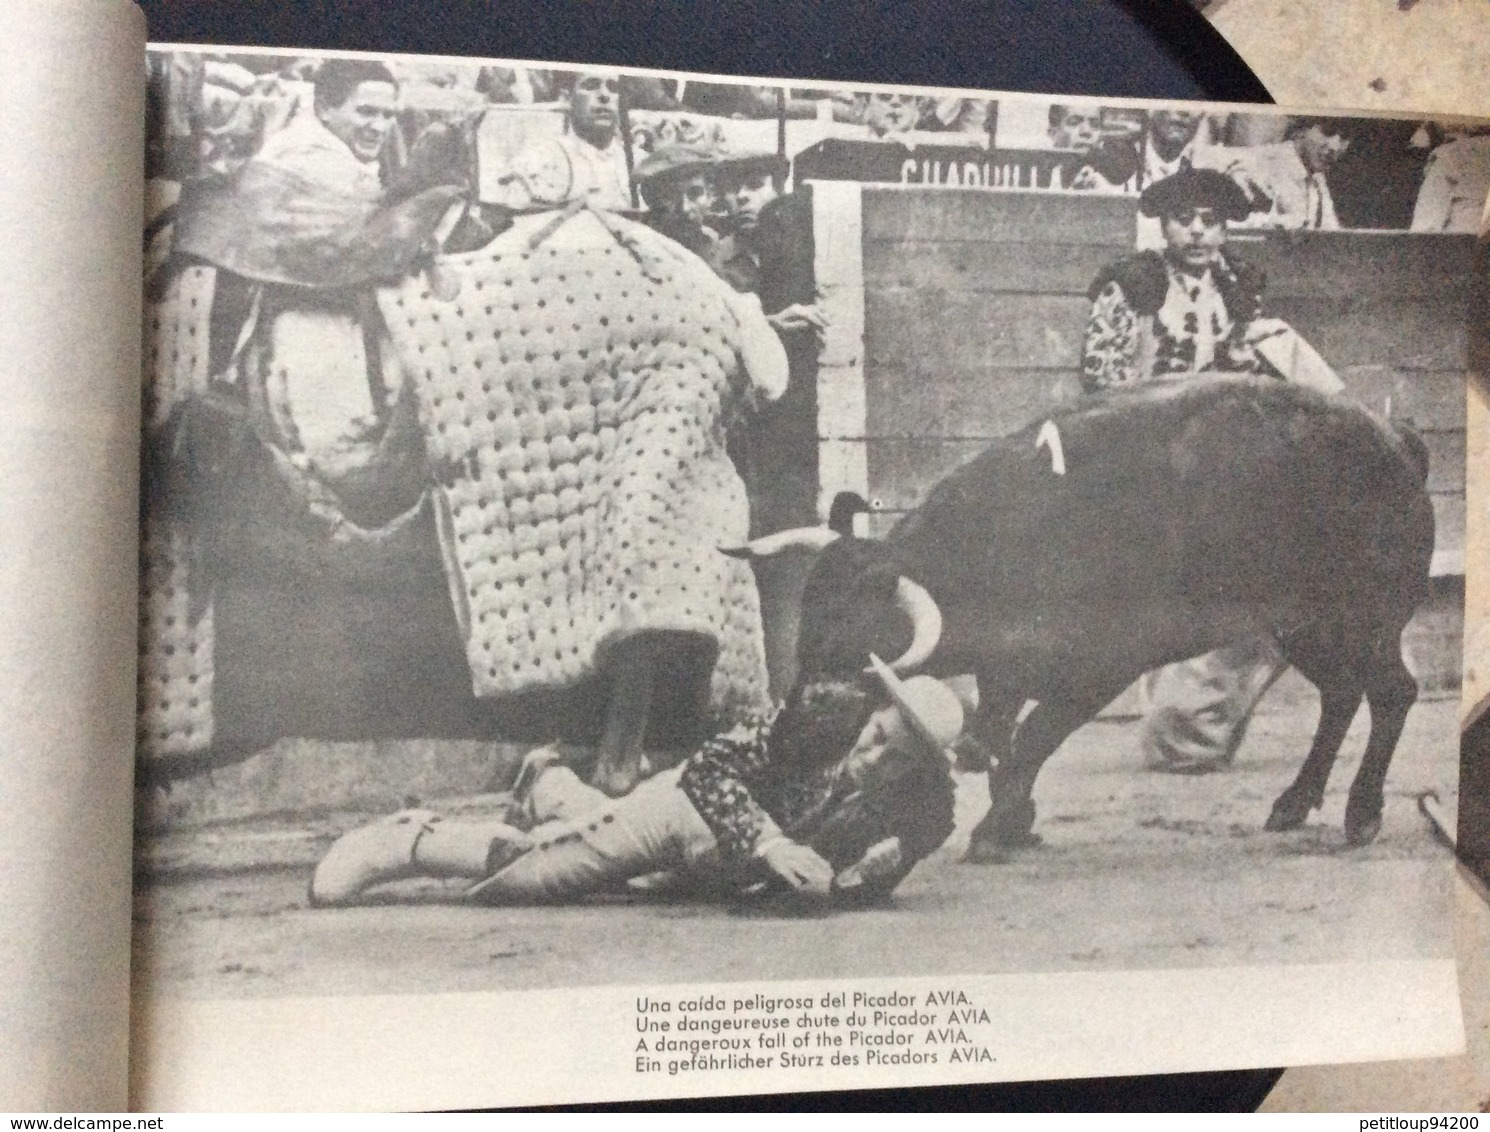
pixel 73 96
pixel 1130 435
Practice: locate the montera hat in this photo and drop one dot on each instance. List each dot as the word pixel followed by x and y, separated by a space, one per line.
pixel 1195 188
pixel 931 710
pixel 677 159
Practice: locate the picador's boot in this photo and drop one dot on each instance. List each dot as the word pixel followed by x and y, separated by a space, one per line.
pixel 412 843
pixel 471 849
pixel 375 853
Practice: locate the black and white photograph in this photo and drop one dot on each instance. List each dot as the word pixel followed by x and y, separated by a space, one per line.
pixel 617 529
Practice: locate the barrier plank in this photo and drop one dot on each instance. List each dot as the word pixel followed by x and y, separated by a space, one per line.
pixel 928 332
pixel 965 402
pixel 991 217
pixel 1367 265
pixel 972 266
pixel 1410 334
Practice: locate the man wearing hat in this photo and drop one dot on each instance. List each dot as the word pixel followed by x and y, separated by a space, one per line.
pixel 1187 309
pixel 1191 309
pixel 836 798
pixel 677 186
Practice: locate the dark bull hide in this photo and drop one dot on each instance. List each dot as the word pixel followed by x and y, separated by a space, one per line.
pixel 1138 530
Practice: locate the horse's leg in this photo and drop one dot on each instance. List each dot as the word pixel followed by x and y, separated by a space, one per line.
pixel 618 767
pixel 1011 812
pixel 1390 691
pixel 1326 660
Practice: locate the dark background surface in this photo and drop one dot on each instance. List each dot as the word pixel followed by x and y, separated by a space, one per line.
pixel 1137 48
pixel 1129 48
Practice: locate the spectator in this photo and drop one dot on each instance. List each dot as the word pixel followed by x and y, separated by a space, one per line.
pixel 748 183
pixel 517 85
pixel 1108 164
pixel 971 118
pixel 586 162
pixel 1077 128
pixel 754 256
pixel 769 252
pixel 676 184
pixel 1456 183
pixel 892 112
pixel 1286 182
pixel 1169 144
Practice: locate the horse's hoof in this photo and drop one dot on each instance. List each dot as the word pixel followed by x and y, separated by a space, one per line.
pixel 614 785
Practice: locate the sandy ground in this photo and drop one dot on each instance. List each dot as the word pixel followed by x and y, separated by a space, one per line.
pixel 1138 870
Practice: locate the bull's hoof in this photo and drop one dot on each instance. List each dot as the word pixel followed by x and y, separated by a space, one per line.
pixel 991 851
pixel 1362 824
pixel 1289 812
pixel 1362 834
pixel 993 842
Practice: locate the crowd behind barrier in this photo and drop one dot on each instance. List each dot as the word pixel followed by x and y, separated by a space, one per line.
pixel 215 113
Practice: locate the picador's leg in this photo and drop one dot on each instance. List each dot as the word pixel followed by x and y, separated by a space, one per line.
pixel 618 767
pixel 1391 691
pixel 1011 815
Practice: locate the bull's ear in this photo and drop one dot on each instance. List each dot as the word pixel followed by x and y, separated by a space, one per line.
pixel 846 504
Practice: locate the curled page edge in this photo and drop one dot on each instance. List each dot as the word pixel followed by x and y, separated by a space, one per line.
pixel 72 85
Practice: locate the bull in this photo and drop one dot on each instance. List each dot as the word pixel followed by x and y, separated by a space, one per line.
pixel 1133 531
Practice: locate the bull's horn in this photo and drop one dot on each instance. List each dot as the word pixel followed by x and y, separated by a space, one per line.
pixel 926 619
pixel 767 546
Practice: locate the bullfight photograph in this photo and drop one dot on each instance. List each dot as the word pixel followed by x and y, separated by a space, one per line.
pixel 610 529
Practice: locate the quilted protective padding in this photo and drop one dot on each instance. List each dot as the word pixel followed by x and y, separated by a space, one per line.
pixel 174 699
pixel 574 380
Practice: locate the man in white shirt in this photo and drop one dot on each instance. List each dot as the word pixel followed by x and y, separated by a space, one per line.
pixel 1169 144
pixel 320 388
pixel 1286 182
pixel 1455 185
pixel 586 162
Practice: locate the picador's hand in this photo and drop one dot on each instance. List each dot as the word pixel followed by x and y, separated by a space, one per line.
pixel 798 865
pixel 798 316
